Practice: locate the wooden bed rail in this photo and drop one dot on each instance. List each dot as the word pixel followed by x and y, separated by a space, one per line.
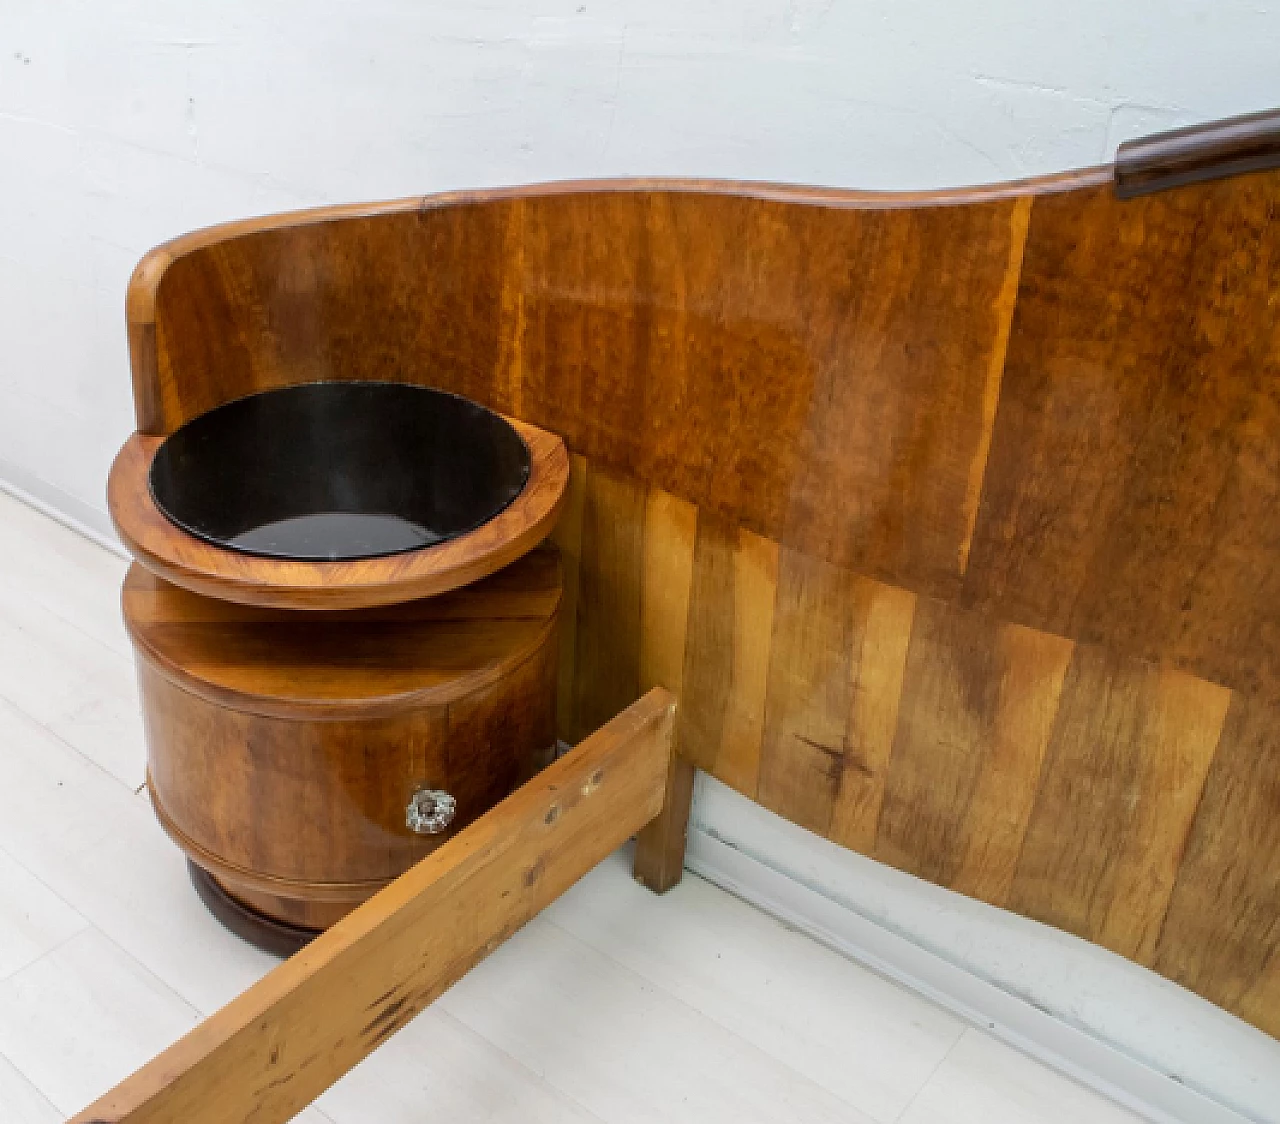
pixel 271 1051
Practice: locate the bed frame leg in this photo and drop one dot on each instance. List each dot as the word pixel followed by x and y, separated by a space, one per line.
pixel 660 843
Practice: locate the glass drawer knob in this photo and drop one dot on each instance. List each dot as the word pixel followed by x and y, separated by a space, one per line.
pixel 430 811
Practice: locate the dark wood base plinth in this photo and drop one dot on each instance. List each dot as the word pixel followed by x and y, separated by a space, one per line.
pixel 259 930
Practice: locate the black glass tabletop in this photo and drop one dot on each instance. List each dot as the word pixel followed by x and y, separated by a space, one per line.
pixel 339 470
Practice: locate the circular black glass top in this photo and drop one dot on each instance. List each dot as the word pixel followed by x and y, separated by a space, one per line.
pixel 339 470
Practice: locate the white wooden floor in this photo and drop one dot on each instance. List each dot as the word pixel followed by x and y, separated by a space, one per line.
pixel 613 1006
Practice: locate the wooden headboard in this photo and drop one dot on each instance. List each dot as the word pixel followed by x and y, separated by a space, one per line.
pixel 953 520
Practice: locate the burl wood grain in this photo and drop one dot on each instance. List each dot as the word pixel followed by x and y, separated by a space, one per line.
pixel 283 747
pixel 951 518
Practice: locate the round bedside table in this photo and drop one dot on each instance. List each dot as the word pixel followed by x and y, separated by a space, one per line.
pixel 346 636
pixel 304 760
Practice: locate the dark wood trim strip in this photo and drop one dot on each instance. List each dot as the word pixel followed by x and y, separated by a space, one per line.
pixel 1232 147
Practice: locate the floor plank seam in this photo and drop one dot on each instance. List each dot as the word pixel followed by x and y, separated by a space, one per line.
pixel 645 982
pixel 6 700
pixel 53 1109
pixel 541 1077
pixel 43 607
pixel 87 924
pixel 932 1074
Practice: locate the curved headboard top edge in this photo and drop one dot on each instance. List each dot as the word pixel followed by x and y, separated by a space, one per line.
pixel 142 294
pixel 1230 146
pixel 145 280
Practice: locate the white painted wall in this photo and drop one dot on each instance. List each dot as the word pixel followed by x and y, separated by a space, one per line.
pixel 124 122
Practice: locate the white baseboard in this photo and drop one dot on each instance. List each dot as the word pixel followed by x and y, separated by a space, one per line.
pixel 1093 1063
pixel 60 506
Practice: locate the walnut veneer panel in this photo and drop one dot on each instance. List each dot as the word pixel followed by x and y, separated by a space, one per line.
pixel 1131 804
pixel 797 394
pixel 952 519
pixel 1134 467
